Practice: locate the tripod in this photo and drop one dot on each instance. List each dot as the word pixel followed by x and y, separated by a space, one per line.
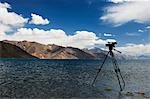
pixel 115 66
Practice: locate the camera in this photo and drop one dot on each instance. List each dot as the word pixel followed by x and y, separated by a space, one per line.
pixel 111 45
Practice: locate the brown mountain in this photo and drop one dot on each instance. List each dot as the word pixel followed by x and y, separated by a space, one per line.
pixel 8 50
pixel 51 51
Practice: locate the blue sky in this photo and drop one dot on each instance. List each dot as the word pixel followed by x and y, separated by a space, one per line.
pixel 73 15
pixel 86 15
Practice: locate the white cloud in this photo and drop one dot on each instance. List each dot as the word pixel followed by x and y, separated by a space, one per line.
pixel 37 19
pixel 5 5
pixel 130 44
pixel 81 39
pixel 111 40
pixel 4 28
pixel 140 30
pixel 147 27
pixel 121 13
pixel 135 49
pixel 9 20
pixel 120 1
pixel 107 34
pixel 133 34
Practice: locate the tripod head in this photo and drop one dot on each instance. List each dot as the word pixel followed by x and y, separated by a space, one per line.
pixel 111 45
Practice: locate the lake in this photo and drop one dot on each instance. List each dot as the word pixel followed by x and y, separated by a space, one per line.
pixel 35 78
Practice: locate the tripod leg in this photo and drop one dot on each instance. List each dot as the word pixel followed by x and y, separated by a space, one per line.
pixel 99 70
pixel 122 79
pixel 117 71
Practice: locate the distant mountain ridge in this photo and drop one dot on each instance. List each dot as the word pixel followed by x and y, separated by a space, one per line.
pixel 52 51
pixel 97 52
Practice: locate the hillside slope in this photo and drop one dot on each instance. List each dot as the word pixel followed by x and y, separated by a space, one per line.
pixel 8 50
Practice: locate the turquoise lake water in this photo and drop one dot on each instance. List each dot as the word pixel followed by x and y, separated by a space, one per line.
pixel 35 78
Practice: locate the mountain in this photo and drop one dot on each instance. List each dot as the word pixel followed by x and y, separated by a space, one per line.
pixel 97 52
pixel 8 50
pixel 144 57
pixel 51 51
pixel 100 54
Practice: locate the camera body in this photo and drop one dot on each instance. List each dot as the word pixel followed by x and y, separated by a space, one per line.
pixel 111 45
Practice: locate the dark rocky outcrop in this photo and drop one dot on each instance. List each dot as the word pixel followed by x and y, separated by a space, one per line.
pixel 8 50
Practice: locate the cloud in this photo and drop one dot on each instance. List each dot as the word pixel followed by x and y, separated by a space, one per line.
pixel 4 28
pixel 135 49
pixel 5 5
pixel 10 20
pixel 133 34
pixel 111 40
pixel 81 39
pixel 140 30
pixel 130 44
pixel 37 19
pixel 121 13
pixel 108 34
pixel 121 1
pixel 147 27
